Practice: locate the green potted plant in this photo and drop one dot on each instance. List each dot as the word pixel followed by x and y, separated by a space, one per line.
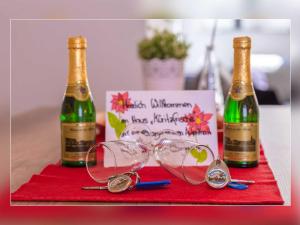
pixel 163 55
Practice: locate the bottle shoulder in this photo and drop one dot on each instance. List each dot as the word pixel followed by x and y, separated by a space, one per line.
pixel 245 110
pixel 73 110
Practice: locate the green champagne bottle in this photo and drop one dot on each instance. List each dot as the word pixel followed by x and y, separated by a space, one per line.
pixel 78 115
pixel 241 115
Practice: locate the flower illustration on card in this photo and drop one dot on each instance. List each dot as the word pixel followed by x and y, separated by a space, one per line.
pixel 120 103
pixel 197 121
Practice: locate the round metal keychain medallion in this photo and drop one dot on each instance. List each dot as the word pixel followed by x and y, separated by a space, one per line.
pixel 119 183
pixel 217 175
pixel 122 182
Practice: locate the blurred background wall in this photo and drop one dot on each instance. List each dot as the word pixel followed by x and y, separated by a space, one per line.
pixel 40 55
pixel 107 60
pixel 40 59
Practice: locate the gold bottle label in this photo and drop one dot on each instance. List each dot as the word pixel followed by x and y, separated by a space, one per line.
pixel 79 91
pixel 241 142
pixel 76 140
pixel 240 90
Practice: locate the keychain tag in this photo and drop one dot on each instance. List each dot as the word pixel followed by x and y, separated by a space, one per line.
pixel 122 182
pixel 217 175
pixel 119 183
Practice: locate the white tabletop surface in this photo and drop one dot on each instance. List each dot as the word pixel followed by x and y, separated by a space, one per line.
pixel 275 135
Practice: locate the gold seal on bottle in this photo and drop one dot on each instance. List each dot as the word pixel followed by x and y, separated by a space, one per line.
pixel 240 90
pixel 77 42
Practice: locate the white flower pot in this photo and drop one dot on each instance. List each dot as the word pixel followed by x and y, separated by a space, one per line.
pixel 163 74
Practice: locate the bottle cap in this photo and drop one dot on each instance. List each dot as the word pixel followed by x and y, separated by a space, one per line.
pixel 77 42
pixel 242 42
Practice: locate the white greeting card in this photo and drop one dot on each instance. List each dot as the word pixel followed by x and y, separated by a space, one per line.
pixel 191 114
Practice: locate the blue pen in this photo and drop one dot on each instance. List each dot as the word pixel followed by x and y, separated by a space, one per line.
pixel 237 186
pixel 152 184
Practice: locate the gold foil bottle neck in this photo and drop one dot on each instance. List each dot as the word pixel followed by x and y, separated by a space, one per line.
pixel 78 42
pixel 241 80
pixel 77 60
pixel 242 42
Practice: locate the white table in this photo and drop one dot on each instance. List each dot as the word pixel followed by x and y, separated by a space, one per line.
pixel 275 134
pixel 36 143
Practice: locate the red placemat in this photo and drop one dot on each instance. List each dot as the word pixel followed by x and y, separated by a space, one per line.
pixel 57 183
